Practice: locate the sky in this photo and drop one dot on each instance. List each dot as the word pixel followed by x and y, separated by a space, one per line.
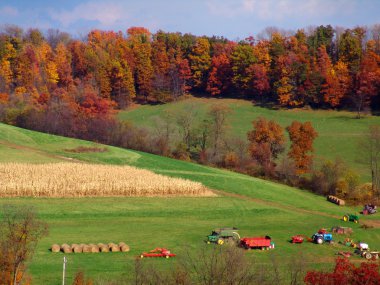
pixel 233 19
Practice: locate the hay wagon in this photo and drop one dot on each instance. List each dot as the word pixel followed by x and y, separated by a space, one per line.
pixel 336 200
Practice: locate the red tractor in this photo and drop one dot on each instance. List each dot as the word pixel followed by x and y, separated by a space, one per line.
pixel 257 242
pixel 158 252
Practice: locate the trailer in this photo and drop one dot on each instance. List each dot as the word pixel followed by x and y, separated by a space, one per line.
pixel 158 252
pixel 256 242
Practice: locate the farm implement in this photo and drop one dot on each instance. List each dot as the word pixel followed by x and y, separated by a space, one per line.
pixel 158 252
pixel 341 230
pixel 300 238
pixel 369 255
pixel 369 209
pixel 224 235
pixel 257 242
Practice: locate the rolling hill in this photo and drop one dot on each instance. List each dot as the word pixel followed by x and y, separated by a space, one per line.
pixel 339 132
pixel 256 207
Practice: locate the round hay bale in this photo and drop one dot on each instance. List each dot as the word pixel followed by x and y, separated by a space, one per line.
pixel 94 248
pixel 100 244
pixel 78 249
pixel 64 245
pixel 114 248
pixel 86 248
pixel 122 243
pixel 104 248
pixel 74 245
pixel 55 248
pixel 67 249
pixel 111 244
pixel 124 248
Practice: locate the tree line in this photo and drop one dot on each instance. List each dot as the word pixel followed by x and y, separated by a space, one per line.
pixel 320 67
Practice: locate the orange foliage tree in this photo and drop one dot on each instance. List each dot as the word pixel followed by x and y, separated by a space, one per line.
pixel 200 61
pixel 302 136
pixel 20 231
pixel 140 42
pixel 266 143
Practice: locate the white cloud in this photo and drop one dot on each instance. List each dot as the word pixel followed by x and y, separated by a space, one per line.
pixel 280 9
pixel 106 14
pixel 8 11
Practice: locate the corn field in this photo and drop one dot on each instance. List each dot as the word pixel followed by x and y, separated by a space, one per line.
pixel 91 180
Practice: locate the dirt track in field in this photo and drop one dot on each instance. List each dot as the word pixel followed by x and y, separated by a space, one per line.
pixel 371 223
pixel 38 151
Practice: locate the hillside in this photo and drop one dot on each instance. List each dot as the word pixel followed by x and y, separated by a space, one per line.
pixel 339 132
pixel 255 206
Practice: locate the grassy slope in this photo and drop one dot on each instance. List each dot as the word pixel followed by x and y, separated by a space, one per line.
pixel 339 132
pixel 177 223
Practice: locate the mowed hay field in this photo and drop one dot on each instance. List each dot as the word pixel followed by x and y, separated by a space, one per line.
pixel 255 206
pixel 90 180
pixel 339 132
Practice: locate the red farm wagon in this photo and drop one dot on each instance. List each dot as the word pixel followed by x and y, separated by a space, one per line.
pixel 256 242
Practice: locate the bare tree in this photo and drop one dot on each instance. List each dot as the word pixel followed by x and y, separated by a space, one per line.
pixel 185 121
pixel 218 118
pixel 222 266
pixel 20 231
pixel 370 154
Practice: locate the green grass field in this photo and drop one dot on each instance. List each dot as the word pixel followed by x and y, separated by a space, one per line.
pixel 339 131
pixel 255 206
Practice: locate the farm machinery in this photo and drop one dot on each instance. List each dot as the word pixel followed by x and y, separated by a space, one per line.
pixel 224 235
pixel 158 252
pixel 257 242
pixel 322 236
pixel 369 255
pixel 351 218
pixel 369 209
pixel 300 238
pixel 341 230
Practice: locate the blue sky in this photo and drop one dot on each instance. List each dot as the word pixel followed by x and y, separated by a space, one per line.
pixel 234 19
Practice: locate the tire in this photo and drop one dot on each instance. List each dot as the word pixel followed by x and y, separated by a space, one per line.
pixel 236 236
pixel 319 241
pixel 345 218
pixel 368 256
pixel 220 241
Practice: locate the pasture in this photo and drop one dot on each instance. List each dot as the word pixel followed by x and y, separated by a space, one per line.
pixel 339 132
pixel 255 206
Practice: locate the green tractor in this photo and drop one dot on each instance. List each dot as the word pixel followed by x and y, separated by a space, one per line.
pixel 351 218
pixel 224 235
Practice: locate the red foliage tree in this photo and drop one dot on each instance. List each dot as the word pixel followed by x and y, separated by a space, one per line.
pixel 260 80
pixel 346 273
pixel 367 81
pixel 219 79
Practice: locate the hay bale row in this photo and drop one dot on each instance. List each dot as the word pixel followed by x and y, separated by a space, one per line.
pixel 90 248
pixel 336 200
